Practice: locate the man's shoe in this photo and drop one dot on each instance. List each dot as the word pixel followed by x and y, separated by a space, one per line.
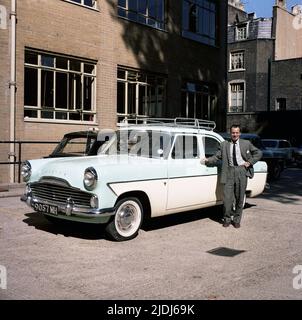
pixel 236 225
pixel 226 224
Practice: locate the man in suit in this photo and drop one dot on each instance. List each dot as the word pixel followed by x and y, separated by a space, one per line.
pixel 238 157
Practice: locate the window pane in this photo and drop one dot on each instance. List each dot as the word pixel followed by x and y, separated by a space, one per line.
pixel 47 61
pixel 89 3
pixel 30 87
pixel 88 83
pixel 61 90
pixel 47 114
pixel 142 7
pixel 131 98
pixel 47 88
pixel 132 5
pixel 31 57
pixel 121 97
pixel 75 65
pixel 89 68
pixel 152 8
pixel 61 63
pixel 122 3
pixel 30 113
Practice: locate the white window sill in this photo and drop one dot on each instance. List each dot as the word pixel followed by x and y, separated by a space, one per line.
pixel 56 121
pixel 237 70
pixel 82 5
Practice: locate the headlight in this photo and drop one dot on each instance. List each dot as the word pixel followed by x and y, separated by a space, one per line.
pixel 90 178
pixel 26 171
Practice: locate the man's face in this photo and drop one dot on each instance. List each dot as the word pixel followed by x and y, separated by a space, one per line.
pixel 235 134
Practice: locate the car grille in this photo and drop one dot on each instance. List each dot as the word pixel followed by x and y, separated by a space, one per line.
pixel 60 194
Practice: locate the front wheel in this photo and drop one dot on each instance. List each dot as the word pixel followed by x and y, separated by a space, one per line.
pixel 127 220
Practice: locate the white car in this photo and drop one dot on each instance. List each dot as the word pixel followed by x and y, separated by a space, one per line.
pixel 145 170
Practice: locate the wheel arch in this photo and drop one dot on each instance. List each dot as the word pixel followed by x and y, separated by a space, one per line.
pixel 142 196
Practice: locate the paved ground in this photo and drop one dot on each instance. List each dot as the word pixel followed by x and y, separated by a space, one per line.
pixel 168 260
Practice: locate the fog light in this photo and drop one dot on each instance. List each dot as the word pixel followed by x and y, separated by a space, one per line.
pixel 94 202
pixel 27 190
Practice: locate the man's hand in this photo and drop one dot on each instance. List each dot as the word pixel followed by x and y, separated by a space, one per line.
pixel 203 160
pixel 247 164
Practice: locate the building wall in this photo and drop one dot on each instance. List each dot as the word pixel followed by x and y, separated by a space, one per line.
pixel 61 27
pixel 288 34
pixel 288 87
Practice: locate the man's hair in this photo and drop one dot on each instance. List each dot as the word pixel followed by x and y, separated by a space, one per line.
pixel 235 126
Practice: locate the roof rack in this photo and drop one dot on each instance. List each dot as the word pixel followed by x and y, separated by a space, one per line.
pixel 174 122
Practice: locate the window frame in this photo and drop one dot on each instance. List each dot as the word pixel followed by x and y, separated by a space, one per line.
pixel 232 54
pixel 158 24
pixel 126 81
pixel 242 26
pixel 70 73
pixel 199 35
pixel 237 82
pixel 82 4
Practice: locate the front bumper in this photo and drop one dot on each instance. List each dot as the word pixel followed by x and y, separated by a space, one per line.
pixel 69 211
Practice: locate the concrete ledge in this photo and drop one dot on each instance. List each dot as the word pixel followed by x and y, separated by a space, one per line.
pixel 11 190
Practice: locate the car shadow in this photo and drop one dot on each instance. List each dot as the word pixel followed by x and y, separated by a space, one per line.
pixel 213 213
pixel 66 228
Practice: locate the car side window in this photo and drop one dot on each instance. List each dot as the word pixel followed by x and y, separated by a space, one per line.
pixel 185 147
pixel 211 146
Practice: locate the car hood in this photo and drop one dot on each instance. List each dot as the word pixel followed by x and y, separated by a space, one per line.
pixel 109 168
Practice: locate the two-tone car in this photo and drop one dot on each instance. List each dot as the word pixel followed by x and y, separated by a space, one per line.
pixel 142 171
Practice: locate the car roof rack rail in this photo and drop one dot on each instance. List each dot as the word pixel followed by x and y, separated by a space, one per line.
pixel 174 122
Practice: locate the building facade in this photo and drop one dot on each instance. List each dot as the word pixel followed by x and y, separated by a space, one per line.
pixel 264 70
pixel 86 63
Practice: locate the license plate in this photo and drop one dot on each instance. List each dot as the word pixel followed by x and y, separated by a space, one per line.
pixel 46 208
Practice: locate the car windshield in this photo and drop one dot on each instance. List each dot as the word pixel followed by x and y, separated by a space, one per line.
pixel 141 143
pixel 74 146
pixel 270 143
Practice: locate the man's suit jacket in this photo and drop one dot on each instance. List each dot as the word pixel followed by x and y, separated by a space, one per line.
pixel 248 152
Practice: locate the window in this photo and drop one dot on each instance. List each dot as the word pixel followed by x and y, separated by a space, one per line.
pixel 86 3
pixel 241 32
pixel 185 147
pixel 139 94
pixel 211 146
pixel 198 100
pixel 200 21
pixel 149 12
pixel 280 104
pixel 237 60
pixel 236 97
pixel 58 87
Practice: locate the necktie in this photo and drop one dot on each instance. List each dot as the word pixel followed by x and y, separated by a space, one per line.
pixel 234 155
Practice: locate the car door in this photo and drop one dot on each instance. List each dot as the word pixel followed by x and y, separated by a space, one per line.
pixel 190 184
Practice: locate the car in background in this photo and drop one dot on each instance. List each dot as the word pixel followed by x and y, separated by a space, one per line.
pixel 275 159
pixel 81 143
pixel 298 155
pixel 282 146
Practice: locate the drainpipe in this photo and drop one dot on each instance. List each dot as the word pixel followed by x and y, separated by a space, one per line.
pixel 12 86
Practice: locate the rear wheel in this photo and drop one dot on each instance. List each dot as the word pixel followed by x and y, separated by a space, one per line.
pixel 127 220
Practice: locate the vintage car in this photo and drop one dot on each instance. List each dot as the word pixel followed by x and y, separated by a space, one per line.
pixel 145 170
pixel 282 146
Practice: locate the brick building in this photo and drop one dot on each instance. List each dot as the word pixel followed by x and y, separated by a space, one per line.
pixel 86 63
pixel 265 71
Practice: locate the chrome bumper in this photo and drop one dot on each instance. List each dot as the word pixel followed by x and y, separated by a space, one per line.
pixel 69 209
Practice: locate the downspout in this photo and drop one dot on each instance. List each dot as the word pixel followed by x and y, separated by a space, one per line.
pixel 12 86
